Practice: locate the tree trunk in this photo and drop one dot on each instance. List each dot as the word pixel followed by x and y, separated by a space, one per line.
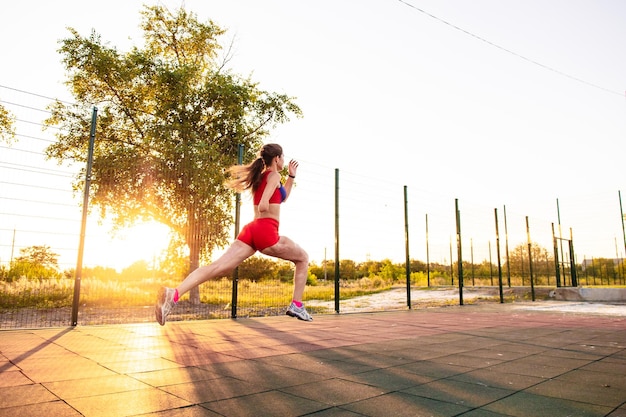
pixel 194 263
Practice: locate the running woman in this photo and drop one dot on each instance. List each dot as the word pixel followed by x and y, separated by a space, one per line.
pixel 263 179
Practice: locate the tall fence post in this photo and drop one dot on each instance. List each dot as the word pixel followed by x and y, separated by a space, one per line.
pixel 557 265
pixel 83 224
pixel 490 264
pixel 498 255
pixel 506 248
pixel 235 295
pixel 337 240
pixel 406 248
pixel 530 261
pixel 451 265
pixel 427 255
pixel 458 246
pixel 572 259
pixel 472 261
pixel 562 258
pixel 621 213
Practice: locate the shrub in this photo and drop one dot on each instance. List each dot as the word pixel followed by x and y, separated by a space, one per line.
pixel 311 279
pixel 375 282
pixel 30 270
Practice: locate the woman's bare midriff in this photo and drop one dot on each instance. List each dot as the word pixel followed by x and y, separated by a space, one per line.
pixel 273 212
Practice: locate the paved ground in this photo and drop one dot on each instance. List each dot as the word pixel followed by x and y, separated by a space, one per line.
pixel 522 359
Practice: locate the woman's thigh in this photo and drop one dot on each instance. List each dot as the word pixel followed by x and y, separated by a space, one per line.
pixel 286 249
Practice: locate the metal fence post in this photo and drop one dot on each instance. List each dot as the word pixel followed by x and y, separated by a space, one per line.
pixel 498 255
pixel 234 297
pixel 622 217
pixel 406 243
pixel 572 259
pixel 337 240
pixel 83 225
pixel 458 245
pixel 506 248
pixel 427 255
pixel 557 269
pixel 530 261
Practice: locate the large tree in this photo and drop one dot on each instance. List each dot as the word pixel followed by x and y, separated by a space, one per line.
pixel 170 119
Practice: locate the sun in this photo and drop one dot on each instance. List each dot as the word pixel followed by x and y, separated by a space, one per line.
pixel 144 241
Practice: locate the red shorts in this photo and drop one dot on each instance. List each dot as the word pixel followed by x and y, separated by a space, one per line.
pixel 260 233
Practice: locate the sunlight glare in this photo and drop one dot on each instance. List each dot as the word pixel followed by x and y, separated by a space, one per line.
pixel 145 241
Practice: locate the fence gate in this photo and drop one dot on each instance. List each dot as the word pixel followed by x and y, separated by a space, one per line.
pixel 565 269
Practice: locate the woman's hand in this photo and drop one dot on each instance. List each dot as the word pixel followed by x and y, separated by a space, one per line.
pixel 293 167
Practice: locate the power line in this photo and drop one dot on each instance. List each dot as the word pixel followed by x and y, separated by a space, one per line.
pixel 22 150
pixel 38 202
pixel 532 61
pixel 35 138
pixel 37 232
pixel 61 219
pixel 37 124
pixel 36 95
pixel 25 107
pixel 36 170
pixel 36 186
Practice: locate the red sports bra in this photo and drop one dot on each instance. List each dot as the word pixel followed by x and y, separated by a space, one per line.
pixel 277 197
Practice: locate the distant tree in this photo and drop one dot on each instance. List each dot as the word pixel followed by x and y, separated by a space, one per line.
pixel 35 262
pixel 324 271
pixel 604 269
pixel 39 255
pixel 347 268
pixel 257 268
pixel 518 258
pixel 136 271
pixel 391 271
pixel 283 270
pixel 487 270
pixel 100 272
pixel 418 266
pixel 368 268
pixel 170 119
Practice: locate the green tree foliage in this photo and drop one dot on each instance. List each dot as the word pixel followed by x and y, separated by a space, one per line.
pixel 326 270
pixel 486 270
pixel 175 261
pixel 418 266
pixel 389 271
pixel 137 271
pixel 518 261
pixel 7 132
pixel 98 272
pixel 170 119
pixel 284 270
pixel 35 262
pixel 369 268
pixel 348 269
pixel 604 271
pixel 39 255
pixel 257 268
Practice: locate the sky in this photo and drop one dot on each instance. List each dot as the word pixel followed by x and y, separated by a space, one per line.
pixel 495 103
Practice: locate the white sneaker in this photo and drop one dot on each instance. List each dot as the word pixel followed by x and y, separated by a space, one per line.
pixel 165 303
pixel 299 312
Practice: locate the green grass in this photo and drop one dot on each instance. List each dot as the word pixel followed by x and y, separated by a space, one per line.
pixel 50 293
pixel 96 292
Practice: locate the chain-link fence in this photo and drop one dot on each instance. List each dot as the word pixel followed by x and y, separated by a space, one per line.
pixel 369 224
